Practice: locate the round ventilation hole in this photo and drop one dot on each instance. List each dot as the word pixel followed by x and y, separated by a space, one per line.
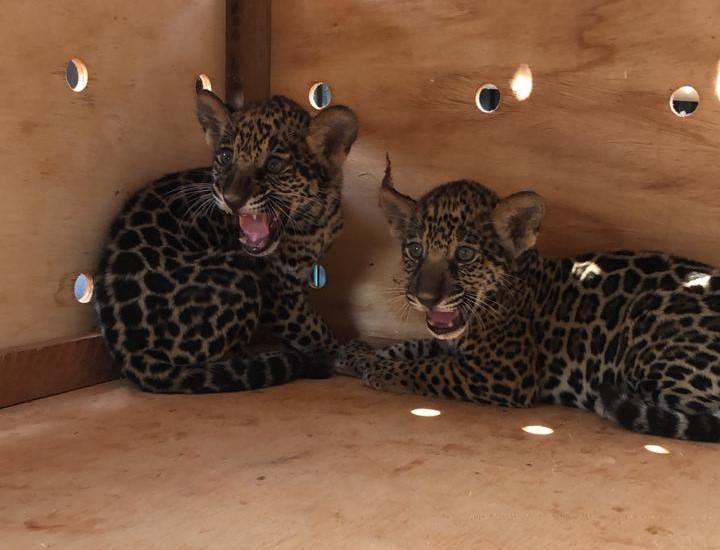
pixel 318 277
pixel 522 83
pixel 320 95
pixel 203 82
pixel 83 288
pixel 487 98
pixel 684 101
pixel 76 75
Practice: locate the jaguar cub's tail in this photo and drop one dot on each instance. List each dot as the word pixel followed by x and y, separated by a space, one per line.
pixel 241 373
pixel 639 416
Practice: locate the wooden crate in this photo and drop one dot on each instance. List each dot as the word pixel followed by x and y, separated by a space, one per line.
pixel 596 138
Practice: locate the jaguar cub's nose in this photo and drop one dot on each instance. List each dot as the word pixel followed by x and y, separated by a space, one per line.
pixel 235 201
pixel 238 192
pixel 428 299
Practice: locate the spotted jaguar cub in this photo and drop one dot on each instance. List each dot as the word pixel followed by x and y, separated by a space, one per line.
pixel 632 336
pixel 201 261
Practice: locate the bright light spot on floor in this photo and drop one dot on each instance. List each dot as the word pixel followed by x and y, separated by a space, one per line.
pixel 538 430
pixel 425 412
pixel 522 83
pixel 583 270
pixel 717 82
pixel 657 449
pixel 697 279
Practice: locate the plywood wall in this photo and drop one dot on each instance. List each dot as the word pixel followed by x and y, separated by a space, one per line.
pixel 596 138
pixel 70 160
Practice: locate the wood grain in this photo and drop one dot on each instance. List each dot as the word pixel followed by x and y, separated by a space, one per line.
pixel 35 372
pixel 70 160
pixel 329 465
pixel 596 138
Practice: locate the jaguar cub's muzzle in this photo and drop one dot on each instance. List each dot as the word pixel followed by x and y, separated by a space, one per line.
pixel 258 231
pixel 431 293
pixel 445 325
pixel 258 225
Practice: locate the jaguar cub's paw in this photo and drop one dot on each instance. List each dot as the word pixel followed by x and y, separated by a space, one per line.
pixel 354 358
pixel 373 379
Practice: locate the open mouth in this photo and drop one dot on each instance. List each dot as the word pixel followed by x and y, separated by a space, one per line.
pixel 258 231
pixel 445 324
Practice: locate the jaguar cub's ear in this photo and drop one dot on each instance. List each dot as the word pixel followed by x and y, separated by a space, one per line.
pixel 214 116
pixel 517 220
pixel 332 132
pixel 397 207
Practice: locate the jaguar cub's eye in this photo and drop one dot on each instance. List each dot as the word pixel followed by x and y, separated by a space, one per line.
pixel 224 156
pixel 274 165
pixel 415 251
pixel 465 253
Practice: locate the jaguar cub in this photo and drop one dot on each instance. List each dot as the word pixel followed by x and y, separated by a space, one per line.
pixel 632 336
pixel 199 262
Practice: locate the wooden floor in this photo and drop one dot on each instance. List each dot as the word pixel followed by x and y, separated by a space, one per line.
pixel 330 464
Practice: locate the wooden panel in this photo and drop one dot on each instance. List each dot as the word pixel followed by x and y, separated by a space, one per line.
pixel 248 49
pixel 38 372
pixel 332 465
pixel 596 137
pixel 69 160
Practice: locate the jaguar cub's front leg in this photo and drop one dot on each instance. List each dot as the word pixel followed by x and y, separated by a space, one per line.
pixel 354 357
pixel 428 367
pixel 357 356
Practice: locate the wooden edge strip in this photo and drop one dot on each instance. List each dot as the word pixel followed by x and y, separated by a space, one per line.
pixel 41 371
pixel 247 50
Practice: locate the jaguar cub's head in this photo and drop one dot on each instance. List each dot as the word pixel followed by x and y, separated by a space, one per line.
pixel 459 246
pixel 274 164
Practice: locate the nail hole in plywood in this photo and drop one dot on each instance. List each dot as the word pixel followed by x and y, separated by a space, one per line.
pixel 487 98
pixel 76 75
pixel 684 101
pixel 203 82
pixel 320 95
pixel 83 288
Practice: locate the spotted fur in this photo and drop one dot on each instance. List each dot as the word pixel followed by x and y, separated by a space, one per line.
pixel 632 336
pixel 178 294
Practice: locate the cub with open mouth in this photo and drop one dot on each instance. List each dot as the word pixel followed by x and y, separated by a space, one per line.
pixel 436 264
pixel 628 335
pixel 271 184
pixel 200 262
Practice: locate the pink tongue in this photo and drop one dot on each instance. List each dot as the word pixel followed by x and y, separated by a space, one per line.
pixel 256 227
pixel 441 318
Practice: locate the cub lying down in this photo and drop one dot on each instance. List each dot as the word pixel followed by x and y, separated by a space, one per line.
pixel 633 336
